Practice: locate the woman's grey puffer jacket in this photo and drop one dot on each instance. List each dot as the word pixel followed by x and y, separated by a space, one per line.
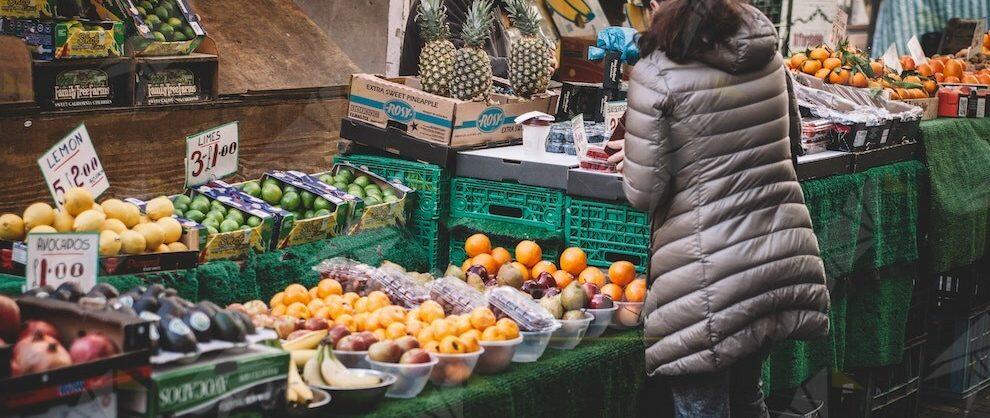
pixel 734 263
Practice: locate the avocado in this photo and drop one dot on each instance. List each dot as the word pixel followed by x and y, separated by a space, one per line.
pixel 208 307
pixel 124 309
pixel 155 290
pixel 200 323
pixel 175 336
pixel 246 321
pixel 68 291
pixel 169 306
pixel 40 292
pixel 105 290
pixel 145 304
pixel 228 328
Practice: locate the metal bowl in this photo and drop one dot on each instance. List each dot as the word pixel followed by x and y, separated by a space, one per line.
pixel 318 407
pixel 360 399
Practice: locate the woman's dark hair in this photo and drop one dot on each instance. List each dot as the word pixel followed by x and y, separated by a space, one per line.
pixel 683 29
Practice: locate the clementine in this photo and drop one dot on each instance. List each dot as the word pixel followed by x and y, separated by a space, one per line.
pixel 621 273
pixel 954 68
pixel 797 59
pixel 613 290
pixel 477 244
pixel 937 66
pixel 314 293
pixel 562 278
pixel 276 300
pixel 926 70
pixel 811 66
pixel 908 64
pixel 839 76
pixel 543 266
pixel 832 63
pixel 294 295
pixel 467 264
pixel 573 260
pixel 951 79
pixel 528 253
pixel 912 79
pixel 298 310
pixel 859 80
pixel 984 78
pixel 636 291
pixel 328 287
pixel 878 68
pixel 592 275
pixel 819 54
pixel 822 73
pixel 487 261
pixel 501 255
pixel 970 79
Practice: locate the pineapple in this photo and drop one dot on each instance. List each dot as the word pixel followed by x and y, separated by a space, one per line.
pixel 529 57
pixel 472 76
pixel 436 61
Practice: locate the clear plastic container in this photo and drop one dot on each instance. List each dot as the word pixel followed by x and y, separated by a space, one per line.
pixel 521 308
pixel 401 288
pixel 412 378
pixel 497 356
pixel 533 344
pixel 456 296
pixel 352 275
pixel 628 315
pixel 570 333
pixel 454 369
pixel 353 359
pixel 603 317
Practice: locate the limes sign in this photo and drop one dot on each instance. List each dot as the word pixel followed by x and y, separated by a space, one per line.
pixel 72 162
pixel 211 154
pixel 53 259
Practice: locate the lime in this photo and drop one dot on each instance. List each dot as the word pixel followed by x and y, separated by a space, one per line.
pixel 362 180
pixel 372 187
pixel 321 204
pixel 178 212
pixel 391 198
pixel 300 214
pixel 236 216
pixel 211 223
pixel 388 192
pixel 200 205
pixel 290 201
pixel 182 199
pixel 245 228
pixel 271 193
pixel 340 186
pixel 253 221
pixel 162 13
pixel 190 33
pixel 229 225
pixel 307 199
pixel 142 11
pixel 166 30
pixel 219 207
pixel 340 178
pixel 372 201
pixel 215 215
pixel 292 189
pixel 252 188
pixel 345 172
pixel 321 212
pixel 307 214
pixel 272 182
pixel 326 178
pixel 174 22
pixel 195 215
pixel 212 230
pixel 177 36
pixel 181 206
pixel 153 21
pixel 373 192
pixel 201 198
pixel 359 192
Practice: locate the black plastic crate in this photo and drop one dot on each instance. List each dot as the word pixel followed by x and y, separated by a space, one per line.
pixel 959 352
pixel 875 391
pixel 917 315
pixel 961 291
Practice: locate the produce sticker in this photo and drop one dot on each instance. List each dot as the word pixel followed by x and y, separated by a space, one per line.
pixel 56 258
pixel 72 162
pixel 211 154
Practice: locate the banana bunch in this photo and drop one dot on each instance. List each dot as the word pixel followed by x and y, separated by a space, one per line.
pixel 325 370
pixel 307 341
pixel 575 11
pixel 297 391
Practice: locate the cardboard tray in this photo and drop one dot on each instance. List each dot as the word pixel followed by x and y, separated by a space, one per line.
pixel 595 184
pixel 394 141
pixel 866 160
pixel 824 164
pixel 518 164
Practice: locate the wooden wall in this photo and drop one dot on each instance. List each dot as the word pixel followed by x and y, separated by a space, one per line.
pixel 143 150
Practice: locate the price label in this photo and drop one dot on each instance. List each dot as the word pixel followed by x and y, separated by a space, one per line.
pixel 53 259
pixel 72 162
pixel 977 43
pixel 917 53
pixel 211 154
pixel 892 60
pixel 580 135
pixel 838 27
pixel 613 113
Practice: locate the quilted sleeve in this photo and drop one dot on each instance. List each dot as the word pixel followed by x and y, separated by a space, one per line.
pixel 647 168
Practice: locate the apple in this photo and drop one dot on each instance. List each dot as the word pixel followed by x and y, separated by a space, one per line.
pixel 285 326
pixel 336 333
pixel 351 342
pixel 296 334
pixel 415 356
pixel 368 337
pixel 590 289
pixel 385 351
pixel 600 301
pixel 316 323
pixel 407 343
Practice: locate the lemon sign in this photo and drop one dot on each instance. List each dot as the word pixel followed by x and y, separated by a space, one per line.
pixel 72 162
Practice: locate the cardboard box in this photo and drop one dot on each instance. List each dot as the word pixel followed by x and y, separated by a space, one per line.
pixel 33 393
pixel 401 105
pixel 576 67
pixel 146 36
pixel 177 79
pixel 214 385
pixel 27 9
pixel 929 106
pixel 315 228
pixel 49 40
pixel 84 83
pixel 38 35
pixel 382 215
pixel 596 184
pixel 516 164
pixel 396 142
pixel 235 245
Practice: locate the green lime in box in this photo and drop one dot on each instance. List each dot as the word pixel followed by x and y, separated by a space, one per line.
pixel 379 202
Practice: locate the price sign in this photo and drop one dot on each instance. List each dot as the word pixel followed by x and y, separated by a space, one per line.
pixel 613 113
pixel 72 162
pixel 977 43
pixel 917 53
pixel 53 259
pixel 211 154
pixel 838 27
pixel 580 135
pixel 892 60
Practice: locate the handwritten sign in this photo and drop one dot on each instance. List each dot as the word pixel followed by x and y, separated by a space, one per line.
pixel 211 154
pixel 72 162
pixel 53 259
pixel 838 27
pixel 580 135
pixel 613 113
pixel 976 45
pixel 810 23
pixel 917 53
pixel 892 59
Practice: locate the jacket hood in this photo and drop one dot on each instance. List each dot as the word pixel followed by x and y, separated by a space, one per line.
pixel 750 49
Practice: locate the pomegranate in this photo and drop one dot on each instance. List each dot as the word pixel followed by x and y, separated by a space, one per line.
pixel 32 325
pixel 10 318
pixel 38 353
pixel 91 347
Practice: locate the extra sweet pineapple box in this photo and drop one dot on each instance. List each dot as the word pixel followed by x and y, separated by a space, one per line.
pixel 400 104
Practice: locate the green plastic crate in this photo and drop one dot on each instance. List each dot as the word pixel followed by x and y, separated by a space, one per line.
pixel 551 252
pixel 430 234
pixel 432 183
pixel 528 205
pixel 608 232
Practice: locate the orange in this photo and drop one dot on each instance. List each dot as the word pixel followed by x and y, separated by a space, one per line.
pixel 430 311
pixel 819 54
pixel 432 346
pixel 482 318
pixel 414 327
pixel 412 315
pixel 379 334
pixel 954 68
pixel 893 94
pixel 426 334
pixel 378 299
pixel 467 265
pixel 351 297
pixel 904 94
pixel 822 73
pixel 314 293
pixel 362 305
pixel 612 290
pixel 970 79
pixel 491 334
pixel 636 291
pixel 371 323
pixel 323 312
pixel 443 328
pixel 501 255
pixel 543 266
pixel 907 63
pixel 390 315
pixel 939 77
pixel 487 261
pixel 874 85
pixel 912 79
pixel 931 86
pixel 573 260
pixel 621 273
pixel 562 278
pixel 471 333
pixel 831 63
pixel 878 68
pixel 592 275
pixel 522 270
pixel 277 300
pixel 395 331
pixel 811 66
pixel 315 305
pixel 528 253
pixel 294 295
pixel 477 244
pixel 926 70
pixel 298 310
pixel 984 78
pixel 347 321
pixel 797 59
pixel 839 76
pixel 328 287
pixel 278 310
pixel 295 287
pixel 918 94
pixel 937 66
pixel 986 40
pixel 507 328
pixel 951 79
pixel 463 324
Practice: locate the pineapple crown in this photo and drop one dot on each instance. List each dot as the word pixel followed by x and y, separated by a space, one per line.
pixel 432 20
pixel 477 26
pixel 524 17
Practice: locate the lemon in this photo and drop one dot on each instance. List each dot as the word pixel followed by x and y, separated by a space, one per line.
pixel 63 221
pixel 90 220
pixel 177 246
pixel 131 242
pixel 115 225
pixel 159 207
pixel 163 249
pixel 172 229
pixel 42 228
pixel 143 219
pixel 115 209
pixel 77 200
pixel 110 243
pixel 11 227
pixel 153 235
pixel 38 214
pixel 97 207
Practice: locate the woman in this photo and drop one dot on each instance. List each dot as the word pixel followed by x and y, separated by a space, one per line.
pixel 735 264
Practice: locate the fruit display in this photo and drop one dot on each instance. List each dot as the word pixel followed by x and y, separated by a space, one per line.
pixel 399 286
pixel 165 20
pixel 305 204
pixel 472 74
pixel 521 308
pixel 455 295
pixel 436 60
pixel 122 227
pixel 213 215
pixel 360 185
pixel 530 55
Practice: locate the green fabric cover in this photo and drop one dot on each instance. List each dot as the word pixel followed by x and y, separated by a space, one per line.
pixel 185 282
pixel 835 205
pixel 958 157
pixel 876 316
pixel 600 377
pixel 889 229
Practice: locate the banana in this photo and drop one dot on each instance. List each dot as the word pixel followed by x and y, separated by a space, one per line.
pixel 583 8
pixel 291 396
pixel 300 357
pixel 297 387
pixel 311 372
pixel 564 9
pixel 307 341
pixel 336 375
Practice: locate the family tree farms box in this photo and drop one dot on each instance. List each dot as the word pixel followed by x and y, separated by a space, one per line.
pixel 175 79
pixel 400 104
pixel 79 83
pixel 214 385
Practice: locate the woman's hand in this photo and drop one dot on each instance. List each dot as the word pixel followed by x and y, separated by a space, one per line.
pixel 619 156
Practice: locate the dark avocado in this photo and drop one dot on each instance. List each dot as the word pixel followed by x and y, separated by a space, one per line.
pixel 174 335
pixel 209 307
pixel 246 321
pixel 145 303
pixel 170 306
pixel 154 290
pixel 228 328
pixel 68 291
pixel 40 292
pixel 105 290
pixel 200 323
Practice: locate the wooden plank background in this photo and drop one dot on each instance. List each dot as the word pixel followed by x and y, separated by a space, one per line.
pixel 142 150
